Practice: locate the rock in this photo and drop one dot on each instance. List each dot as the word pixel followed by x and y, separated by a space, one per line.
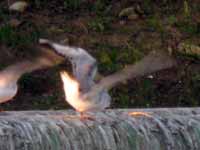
pixel 150 76
pixel 19 6
pixel 139 10
pixel 189 49
pixel 128 129
pixel 129 13
pixel 65 41
pixel 132 16
pixel 126 12
pixel 14 22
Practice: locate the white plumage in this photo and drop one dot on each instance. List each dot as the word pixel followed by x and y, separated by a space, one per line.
pixel 84 102
pixel 77 89
pixel 83 93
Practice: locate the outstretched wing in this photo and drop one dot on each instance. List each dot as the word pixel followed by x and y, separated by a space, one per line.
pixel 155 61
pixel 84 66
pixel 84 70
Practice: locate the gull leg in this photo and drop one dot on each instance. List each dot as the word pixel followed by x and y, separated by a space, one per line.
pixel 84 116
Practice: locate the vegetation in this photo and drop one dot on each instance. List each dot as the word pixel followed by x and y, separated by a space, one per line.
pixel 115 41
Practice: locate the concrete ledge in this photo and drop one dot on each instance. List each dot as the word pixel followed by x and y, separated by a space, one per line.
pixel 157 129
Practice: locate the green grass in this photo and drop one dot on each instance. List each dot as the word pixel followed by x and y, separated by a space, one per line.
pixel 190 91
pixel 113 58
pixel 4 15
pixel 188 26
pixel 148 7
pixel 17 37
pixel 7 35
pixel 122 98
pixel 139 94
pixel 101 7
pixel 195 83
pixel 172 20
pixel 39 3
pixel 100 24
pixel 72 4
pixel 155 23
pixel 186 9
pixel 142 92
pixel 108 61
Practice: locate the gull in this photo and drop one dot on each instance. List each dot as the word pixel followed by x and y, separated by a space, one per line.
pixel 84 68
pixel 11 74
pixel 86 95
pixel 96 99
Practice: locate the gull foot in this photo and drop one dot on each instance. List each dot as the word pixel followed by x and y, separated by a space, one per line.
pixel 84 117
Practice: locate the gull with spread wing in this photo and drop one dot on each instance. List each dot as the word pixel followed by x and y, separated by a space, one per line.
pixel 83 94
pixel 84 68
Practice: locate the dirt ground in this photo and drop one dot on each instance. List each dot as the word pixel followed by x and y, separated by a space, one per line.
pixel 117 33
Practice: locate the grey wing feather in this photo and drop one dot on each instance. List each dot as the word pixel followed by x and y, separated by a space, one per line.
pixel 84 69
